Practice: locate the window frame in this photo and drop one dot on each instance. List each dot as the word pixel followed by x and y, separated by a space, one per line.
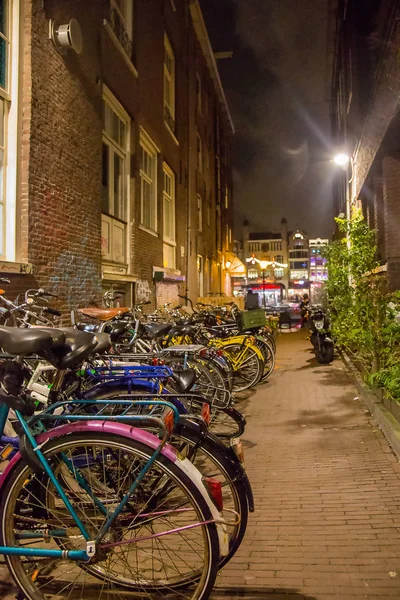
pixel 199 213
pixel 169 103
pixel 126 15
pixel 117 149
pixel 147 144
pixel 199 94
pixel 199 153
pixel 10 96
pixel 168 241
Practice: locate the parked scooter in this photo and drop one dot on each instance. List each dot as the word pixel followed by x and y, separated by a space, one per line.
pixel 320 336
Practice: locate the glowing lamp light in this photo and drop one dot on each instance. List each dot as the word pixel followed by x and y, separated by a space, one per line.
pixel 264 264
pixel 228 264
pixel 342 159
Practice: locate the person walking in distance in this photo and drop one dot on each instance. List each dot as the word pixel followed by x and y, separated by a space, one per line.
pixel 304 305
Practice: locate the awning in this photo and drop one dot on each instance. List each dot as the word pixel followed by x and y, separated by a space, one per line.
pixel 236 268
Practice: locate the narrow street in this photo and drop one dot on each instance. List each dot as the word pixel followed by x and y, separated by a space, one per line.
pixel 326 485
pixel 327 491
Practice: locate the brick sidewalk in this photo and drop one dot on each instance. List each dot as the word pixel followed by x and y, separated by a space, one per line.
pixel 327 490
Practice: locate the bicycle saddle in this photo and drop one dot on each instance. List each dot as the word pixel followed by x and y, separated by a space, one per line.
pixel 180 330
pixel 29 341
pixel 116 329
pixel 78 345
pixel 104 343
pixel 184 379
pixel 156 330
pixel 103 314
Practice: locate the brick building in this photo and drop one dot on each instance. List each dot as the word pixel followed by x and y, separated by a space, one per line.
pixel 115 160
pixel 365 123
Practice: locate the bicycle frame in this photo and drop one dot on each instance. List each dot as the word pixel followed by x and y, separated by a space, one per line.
pixel 89 551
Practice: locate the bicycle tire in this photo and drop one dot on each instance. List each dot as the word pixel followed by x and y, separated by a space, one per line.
pixel 10 512
pixel 230 468
pixel 253 379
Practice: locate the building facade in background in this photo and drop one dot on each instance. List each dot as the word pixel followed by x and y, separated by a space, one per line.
pixel 294 264
pixel 365 124
pixel 299 265
pixel 116 160
pixel 269 249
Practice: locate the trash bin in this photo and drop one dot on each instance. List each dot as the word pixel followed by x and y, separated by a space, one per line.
pixel 285 320
pixel 252 300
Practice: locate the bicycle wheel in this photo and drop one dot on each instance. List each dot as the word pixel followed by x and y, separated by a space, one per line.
pixel 247 367
pixel 268 355
pixel 212 460
pixel 133 555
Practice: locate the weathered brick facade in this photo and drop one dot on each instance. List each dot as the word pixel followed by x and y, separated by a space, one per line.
pixel 61 176
pixel 365 95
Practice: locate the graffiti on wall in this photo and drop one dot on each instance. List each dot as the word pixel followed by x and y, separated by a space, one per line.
pixel 143 292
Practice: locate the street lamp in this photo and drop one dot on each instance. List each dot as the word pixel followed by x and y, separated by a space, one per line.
pixel 344 161
pixel 228 264
pixel 263 264
pixel 341 159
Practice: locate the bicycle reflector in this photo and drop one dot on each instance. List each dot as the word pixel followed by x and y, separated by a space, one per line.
pixel 214 488
pixel 203 352
pixel 169 421
pixel 206 413
pixel 220 352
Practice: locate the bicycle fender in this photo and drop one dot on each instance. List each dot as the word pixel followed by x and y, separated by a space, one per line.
pixel 121 429
pixel 194 474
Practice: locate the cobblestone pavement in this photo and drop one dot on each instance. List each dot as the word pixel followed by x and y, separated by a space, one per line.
pixel 326 486
pixel 327 491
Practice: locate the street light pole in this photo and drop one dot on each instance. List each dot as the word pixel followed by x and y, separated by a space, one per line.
pixel 263 284
pixel 263 264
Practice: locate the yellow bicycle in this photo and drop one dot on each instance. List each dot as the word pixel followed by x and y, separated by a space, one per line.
pixel 245 359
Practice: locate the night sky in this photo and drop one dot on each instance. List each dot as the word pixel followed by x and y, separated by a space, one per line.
pixel 277 85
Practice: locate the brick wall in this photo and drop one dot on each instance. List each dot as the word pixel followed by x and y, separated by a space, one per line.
pixel 62 139
pixel 391 200
pixel 62 142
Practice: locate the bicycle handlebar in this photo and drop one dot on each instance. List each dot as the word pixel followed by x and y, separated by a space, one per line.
pixel 42 292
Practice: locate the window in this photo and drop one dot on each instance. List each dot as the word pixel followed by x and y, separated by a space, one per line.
pixel 115 176
pixel 199 153
pixel 148 182
pixel 226 236
pixel 279 272
pixel 200 212
pixel 252 273
pixel 200 275
pixel 230 235
pixel 298 254
pixel 206 157
pixel 121 21
pixel 226 197
pixel 198 93
pixel 169 84
pixel 4 44
pixel 169 217
pixel 279 259
pixel 115 152
pixel 9 114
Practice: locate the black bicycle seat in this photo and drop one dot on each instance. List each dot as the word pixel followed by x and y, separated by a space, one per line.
pixel 104 343
pixel 156 330
pixel 29 341
pixel 78 346
pixel 184 379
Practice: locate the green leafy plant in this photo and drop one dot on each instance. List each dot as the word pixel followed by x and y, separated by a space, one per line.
pixel 365 317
